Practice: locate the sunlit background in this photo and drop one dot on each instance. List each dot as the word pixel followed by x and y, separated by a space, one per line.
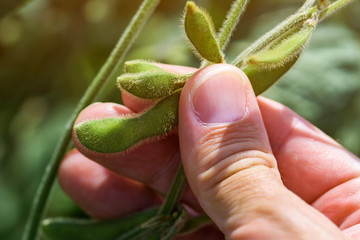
pixel 51 49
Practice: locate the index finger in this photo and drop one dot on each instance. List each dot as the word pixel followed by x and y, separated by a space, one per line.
pixel 310 162
pixel 313 165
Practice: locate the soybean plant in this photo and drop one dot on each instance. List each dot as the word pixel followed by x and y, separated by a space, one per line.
pixel 264 62
pixel 263 67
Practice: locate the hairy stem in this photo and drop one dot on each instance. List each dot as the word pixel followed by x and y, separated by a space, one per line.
pixel 175 192
pixel 332 8
pixel 232 18
pixel 229 25
pixel 307 4
pixel 273 34
pixel 103 76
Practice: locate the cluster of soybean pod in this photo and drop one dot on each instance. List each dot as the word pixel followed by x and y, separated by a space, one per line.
pixel 264 62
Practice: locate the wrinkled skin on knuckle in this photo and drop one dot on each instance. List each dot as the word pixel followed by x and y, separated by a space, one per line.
pixel 232 142
pixel 229 153
pixel 229 164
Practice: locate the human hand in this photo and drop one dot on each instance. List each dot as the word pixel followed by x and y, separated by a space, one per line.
pixel 309 192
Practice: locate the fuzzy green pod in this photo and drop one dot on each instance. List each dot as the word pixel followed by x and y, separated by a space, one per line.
pixel 200 31
pixel 138 66
pixel 84 229
pixel 111 135
pixel 261 79
pixel 151 85
pixel 266 67
pixel 285 50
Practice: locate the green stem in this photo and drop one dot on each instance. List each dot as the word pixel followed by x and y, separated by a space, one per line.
pixel 332 8
pixel 194 223
pixel 306 5
pixel 175 192
pixel 229 25
pixel 103 76
pixel 273 34
pixel 140 231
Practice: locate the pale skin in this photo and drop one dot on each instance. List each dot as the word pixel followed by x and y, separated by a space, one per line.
pixel 262 172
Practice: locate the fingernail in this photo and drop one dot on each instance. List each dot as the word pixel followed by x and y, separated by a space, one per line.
pixel 219 96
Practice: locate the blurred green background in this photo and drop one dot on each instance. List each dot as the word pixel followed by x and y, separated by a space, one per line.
pixel 51 49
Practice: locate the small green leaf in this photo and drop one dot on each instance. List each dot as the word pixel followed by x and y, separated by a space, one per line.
pixel 200 31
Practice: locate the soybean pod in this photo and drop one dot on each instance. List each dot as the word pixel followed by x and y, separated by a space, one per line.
pixel 261 79
pixel 266 67
pixel 284 51
pixel 112 135
pixel 200 31
pixel 138 66
pixel 151 85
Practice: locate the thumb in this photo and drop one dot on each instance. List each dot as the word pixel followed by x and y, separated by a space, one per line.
pixel 225 149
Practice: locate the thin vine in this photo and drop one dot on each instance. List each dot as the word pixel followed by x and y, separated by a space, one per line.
pixel 104 75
